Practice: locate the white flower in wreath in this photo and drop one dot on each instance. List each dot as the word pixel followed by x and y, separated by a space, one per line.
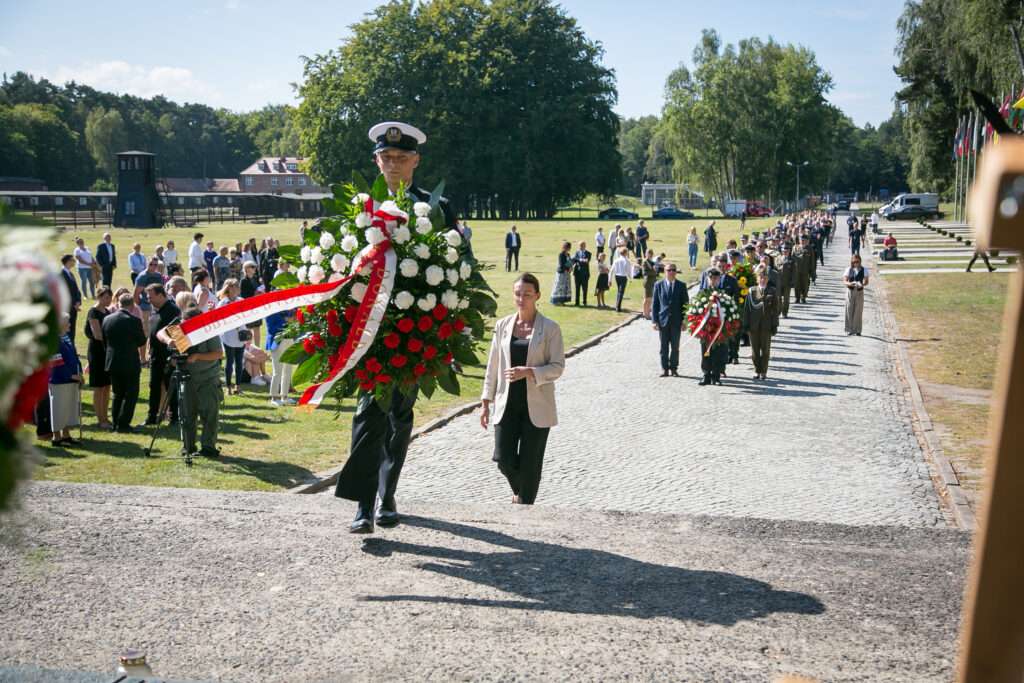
pixel 316 255
pixel 427 303
pixel 401 235
pixel 450 299
pixel 391 208
pixel 452 256
pixel 463 304
pixel 421 209
pixel 434 275
pixel 423 225
pixel 367 268
pixel 304 254
pixel 339 262
pixel 374 235
pixel 404 300
pixel 300 273
pixel 316 274
pixel 358 291
pixel 465 270
pixel 422 251
pixel 349 243
pixel 361 199
pixel 363 220
pixel 453 238
pixel 453 277
pixel 408 267
pixel 326 241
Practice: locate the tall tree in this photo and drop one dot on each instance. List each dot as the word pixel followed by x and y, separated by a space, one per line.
pixel 512 96
pixel 742 113
pixel 105 137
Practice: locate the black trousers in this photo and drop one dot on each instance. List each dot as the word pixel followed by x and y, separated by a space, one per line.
pixel 108 275
pixel 160 376
pixel 519 451
pixel 713 364
pixel 669 336
pixel 581 284
pixel 512 253
pixel 620 283
pixel 73 321
pixel 380 441
pixel 126 395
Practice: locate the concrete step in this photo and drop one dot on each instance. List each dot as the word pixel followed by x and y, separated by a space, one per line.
pixel 271 587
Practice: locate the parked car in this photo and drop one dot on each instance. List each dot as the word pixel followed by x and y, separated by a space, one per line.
pixel 842 204
pixel 670 212
pixel 912 212
pixel 617 212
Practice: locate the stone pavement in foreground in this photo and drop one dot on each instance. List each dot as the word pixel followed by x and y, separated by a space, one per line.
pixel 827 439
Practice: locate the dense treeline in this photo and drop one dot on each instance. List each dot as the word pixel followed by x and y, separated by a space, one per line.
pixel 517 108
pixel 945 49
pixel 68 135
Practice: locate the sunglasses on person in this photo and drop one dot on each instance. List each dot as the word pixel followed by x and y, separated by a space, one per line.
pixel 670 270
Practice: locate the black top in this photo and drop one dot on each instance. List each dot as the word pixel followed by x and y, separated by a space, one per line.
pixel 248 287
pixel 517 356
pixel 98 315
pixel 123 334
pixel 158 321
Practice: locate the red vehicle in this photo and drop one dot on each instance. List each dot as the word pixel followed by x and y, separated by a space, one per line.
pixel 758 210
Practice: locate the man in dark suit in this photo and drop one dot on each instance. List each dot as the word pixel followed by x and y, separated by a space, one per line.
pixel 107 258
pixel 667 310
pixel 124 336
pixel 76 294
pixel 380 439
pixel 513 242
pixel 164 311
pixel 581 271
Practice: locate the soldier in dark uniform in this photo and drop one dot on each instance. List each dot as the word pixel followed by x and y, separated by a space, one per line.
pixel 761 320
pixel 712 364
pixel 787 271
pixel 380 438
pixel 803 257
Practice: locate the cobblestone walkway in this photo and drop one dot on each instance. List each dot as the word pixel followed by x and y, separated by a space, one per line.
pixel 826 439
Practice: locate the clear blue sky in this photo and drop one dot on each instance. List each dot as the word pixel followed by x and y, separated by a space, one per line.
pixel 242 54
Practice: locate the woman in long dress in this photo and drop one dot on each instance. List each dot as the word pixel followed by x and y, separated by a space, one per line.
pixel 561 291
pixel 856 279
pixel 96 353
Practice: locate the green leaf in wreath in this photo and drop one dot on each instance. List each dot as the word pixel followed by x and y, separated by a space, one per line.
pixel 465 355
pixel 483 303
pixel 289 252
pixel 331 206
pixel 307 370
pixel 339 191
pixel 447 380
pixel 435 196
pixel 359 183
pixel 476 322
pixel 379 191
pixel 285 280
pixel 331 224
pixel 295 355
pixel 477 279
pixel 383 395
pixel 427 385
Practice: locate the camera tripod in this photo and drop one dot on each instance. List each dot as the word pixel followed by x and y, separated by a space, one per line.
pixel 181 383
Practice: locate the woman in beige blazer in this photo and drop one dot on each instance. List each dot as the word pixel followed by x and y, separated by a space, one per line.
pixel 526 358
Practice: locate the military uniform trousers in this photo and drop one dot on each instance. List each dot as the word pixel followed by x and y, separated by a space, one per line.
pixel 760 349
pixel 380 441
pixel 201 401
pixel 802 285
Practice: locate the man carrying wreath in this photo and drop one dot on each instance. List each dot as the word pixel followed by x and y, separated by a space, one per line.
pixel 380 439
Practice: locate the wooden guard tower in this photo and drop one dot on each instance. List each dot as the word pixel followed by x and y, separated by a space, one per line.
pixel 138 202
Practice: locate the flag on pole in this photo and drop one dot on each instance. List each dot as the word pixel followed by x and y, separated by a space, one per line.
pixel 1017 112
pixel 1004 112
pixel 956 142
pixel 974 143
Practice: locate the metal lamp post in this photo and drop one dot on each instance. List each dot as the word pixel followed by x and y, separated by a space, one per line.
pixel 798 165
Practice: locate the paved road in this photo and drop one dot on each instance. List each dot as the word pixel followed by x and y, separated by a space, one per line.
pixel 826 439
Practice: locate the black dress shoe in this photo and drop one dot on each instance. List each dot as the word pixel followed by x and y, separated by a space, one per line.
pixel 149 422
pixel 664 373
pixel 173 421
pixel 674 373
pixel 704 382
pixel 125 430
pixel 363 523
pixel 718 382
pixel 386 517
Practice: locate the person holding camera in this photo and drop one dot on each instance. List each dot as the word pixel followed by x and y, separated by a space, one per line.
pixel 760 321
pixel 200 382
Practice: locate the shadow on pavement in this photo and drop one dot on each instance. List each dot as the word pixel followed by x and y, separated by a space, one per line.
pixel 584 581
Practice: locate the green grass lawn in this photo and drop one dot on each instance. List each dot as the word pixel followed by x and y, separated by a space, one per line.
pixel 951 323
pixel 273 448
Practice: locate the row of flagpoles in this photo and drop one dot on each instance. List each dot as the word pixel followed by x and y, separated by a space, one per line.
pixel 971 140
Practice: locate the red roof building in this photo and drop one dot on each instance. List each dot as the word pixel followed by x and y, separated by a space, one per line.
pixel 277 175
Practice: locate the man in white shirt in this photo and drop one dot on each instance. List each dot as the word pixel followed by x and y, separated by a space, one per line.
pixel 195 253
pixel 599 240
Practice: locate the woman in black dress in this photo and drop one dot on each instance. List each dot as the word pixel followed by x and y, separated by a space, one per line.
pixel 99 378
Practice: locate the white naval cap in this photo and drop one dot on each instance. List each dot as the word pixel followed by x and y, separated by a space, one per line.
pixel 396 135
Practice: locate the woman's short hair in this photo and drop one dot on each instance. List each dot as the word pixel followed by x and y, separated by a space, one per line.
pixel 184 300
pixel 198 277
pixel 566 245
pixel 103 290
pixel 530 279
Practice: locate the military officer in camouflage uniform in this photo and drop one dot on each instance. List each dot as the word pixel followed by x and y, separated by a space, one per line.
pixel 786 266
pixel 803 256
pixel 204 395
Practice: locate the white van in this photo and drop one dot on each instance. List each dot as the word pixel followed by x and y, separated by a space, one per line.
pixel 929 200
